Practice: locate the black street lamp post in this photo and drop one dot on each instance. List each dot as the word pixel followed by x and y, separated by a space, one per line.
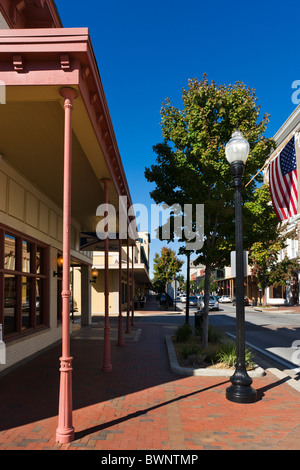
pixel 237 150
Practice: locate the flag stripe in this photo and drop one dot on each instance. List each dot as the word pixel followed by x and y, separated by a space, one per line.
pixel 275 192
pixel 283 182
pixel 290 184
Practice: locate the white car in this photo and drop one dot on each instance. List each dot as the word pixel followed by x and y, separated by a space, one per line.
pixel 224 299
pixel 183 298
pixel 213 303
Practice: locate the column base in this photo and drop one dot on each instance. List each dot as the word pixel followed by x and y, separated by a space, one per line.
pixel 241 394
pixel 65 436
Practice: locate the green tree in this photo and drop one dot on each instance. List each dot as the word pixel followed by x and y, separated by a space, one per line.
pixel 191 167
pixel 180 280
pixel 265 263
pixel 165 266
pixel 213 285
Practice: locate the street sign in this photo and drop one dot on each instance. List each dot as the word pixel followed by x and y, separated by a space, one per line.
pixel 233 263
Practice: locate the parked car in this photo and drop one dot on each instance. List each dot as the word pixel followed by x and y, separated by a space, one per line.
pixel 213 303
pixel 9 302
pixel 246 301
pixel 225 299
pixel 193 301
pixel 183 298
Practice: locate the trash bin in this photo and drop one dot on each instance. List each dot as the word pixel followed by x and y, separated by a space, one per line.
pixel 254 303
pixel 198 320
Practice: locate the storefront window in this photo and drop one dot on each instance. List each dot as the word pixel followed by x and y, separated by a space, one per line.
pixel 10 304
pixel 9 252
pixel 40 260
pixel 39 298
pixel 277 292
pixel 25 284
pixel 26 257
pixel 26 302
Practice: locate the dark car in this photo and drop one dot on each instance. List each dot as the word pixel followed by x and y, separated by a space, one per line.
pixel 246 301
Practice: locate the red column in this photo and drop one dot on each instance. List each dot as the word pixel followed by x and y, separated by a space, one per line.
pixel 132 285
pixel 107 367
pixel 120 323
pixel 65 430
pixel 128 292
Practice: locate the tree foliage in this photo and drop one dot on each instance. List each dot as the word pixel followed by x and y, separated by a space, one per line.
pixel 165 266
pixel 191 167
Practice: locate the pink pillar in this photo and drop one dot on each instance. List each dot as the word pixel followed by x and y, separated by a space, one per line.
pixel 120 323
pixel 107 367
pixel 132 285
pixel 65 430
pixel 128 292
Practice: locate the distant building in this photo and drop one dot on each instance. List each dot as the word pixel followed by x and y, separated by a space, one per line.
pixel 139 281
pixel 197 273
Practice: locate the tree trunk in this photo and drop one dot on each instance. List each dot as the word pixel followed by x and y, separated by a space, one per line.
pixel 206 306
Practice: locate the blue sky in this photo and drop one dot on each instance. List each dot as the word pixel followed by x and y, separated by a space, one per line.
pixel 147 51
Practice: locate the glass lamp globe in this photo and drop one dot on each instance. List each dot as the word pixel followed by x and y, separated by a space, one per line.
pixel 94 273
pixel 237 149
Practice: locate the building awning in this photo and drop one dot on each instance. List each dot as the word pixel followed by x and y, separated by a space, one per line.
pixel 35 65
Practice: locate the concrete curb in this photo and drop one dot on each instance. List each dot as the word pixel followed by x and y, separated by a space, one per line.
pixel 188 371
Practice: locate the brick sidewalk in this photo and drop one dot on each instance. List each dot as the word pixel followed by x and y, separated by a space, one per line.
pixel 140 404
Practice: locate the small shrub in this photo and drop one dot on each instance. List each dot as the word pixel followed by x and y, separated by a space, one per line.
pixel 227 354
pixel 183 333
pixel 189 349
pixel 210 354
pixel 214 335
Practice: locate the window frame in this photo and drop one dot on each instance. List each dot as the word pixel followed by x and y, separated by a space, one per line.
pixel 32 277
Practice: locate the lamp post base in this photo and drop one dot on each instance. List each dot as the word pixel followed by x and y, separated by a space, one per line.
pixel 241 394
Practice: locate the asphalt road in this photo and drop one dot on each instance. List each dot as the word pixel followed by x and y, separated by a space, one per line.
pixel 276 335
pixel 272 336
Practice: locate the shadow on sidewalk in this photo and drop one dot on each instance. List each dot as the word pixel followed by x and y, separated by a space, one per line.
pixel 261 391
pixel 101 427
pixel 30 392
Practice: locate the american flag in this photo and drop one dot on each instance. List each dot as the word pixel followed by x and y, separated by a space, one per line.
pixel 283 182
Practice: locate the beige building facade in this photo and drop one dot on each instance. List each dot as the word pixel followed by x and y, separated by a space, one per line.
pixel 135 275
